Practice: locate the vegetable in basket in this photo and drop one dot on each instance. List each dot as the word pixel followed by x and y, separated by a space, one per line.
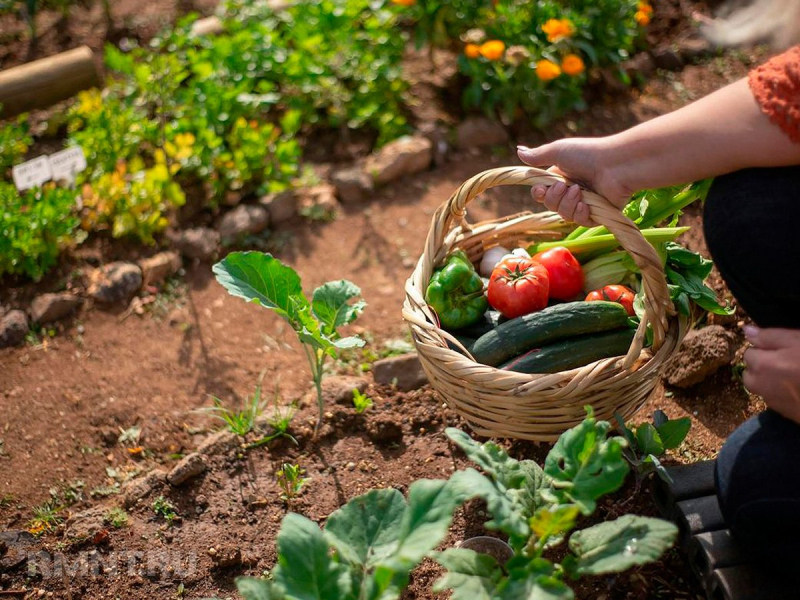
pixel 455 292
pixel 518 286
pixel 564 271
pixel 614 293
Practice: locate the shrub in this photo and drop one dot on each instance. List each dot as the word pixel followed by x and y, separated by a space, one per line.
pixel 14 142
pixel 34 226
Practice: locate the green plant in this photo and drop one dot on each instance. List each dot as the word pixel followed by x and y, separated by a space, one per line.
pixel 378 538
pixel 6 500
pixel 116 517
pixel 361 401
pixel 34 226
pixel 46 517
pixel 648 443
pixel 279 421
pixel 239 422
pixel 265 280
pixel 165 509
pixel 531 57
pixel 14 142
pixel 291 481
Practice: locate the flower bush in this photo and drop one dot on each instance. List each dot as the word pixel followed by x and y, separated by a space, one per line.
pixel 531 58
pixel 14 142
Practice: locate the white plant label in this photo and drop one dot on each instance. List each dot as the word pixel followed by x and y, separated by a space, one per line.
pixel 32 173
pixel 67 163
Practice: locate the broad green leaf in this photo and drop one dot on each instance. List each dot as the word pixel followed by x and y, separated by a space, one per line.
pixel 674 431
pixel 659 418
pixel 648 440
pixel 553 521
pixel 618 545
pixel 258 589
pixel 349 342
pixel 366 529
pixel 470 575
pixel 507 512
pixel 625 430
pixel 305 568
pixel 331 305
pixel 585 465
pixel 658 468
pixel 532 580
pixel 263 279
pixel 490 457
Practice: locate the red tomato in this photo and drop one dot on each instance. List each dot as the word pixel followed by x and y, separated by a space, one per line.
pixel 614 293
pixel 518 286
pixel 564 270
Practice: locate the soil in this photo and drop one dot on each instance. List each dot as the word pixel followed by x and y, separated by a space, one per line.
pixel 66 399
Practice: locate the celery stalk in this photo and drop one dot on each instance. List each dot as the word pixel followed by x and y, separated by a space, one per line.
pixel 606 242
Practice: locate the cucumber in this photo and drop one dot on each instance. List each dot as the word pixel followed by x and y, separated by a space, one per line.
pixel 573 352
pixel 551 324
pixel 465 341
pixel 489 320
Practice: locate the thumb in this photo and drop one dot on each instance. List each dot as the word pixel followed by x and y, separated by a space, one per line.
pixel 542 156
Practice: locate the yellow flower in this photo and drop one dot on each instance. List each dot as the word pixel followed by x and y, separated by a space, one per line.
pixel 89 102
pixel 405 2
pixel 642 18
pixel 573 64
pixel 645 8
pixel 493 49
pixel 472 51
pixel 547 70
pixel 556 29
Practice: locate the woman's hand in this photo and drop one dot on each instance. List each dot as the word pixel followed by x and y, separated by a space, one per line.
pixel 584 161
pixel 773 368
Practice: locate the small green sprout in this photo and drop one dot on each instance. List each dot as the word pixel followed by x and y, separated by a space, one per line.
pixel 239 422
pixel 361 401
pixel 45 518
pixel 116 517
pixel 165 509
pixel 290 478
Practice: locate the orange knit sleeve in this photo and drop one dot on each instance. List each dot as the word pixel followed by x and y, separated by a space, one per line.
pixel 776 87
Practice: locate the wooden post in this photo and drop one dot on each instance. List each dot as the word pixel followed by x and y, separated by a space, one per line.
pixel 44 82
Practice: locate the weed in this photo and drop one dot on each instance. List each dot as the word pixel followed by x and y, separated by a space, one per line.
pixel 279 422
pixel 6 500
pixel 165 509
pixel 290 478
pixel 239 422
pixel 361 401
pixel 130 435
pixel 45 517
pixel 116 517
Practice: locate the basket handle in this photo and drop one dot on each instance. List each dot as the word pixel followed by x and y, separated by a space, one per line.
pixel 658 306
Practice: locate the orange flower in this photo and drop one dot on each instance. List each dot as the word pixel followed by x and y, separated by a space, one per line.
pixel 547 70
pixel 642 18
pixel 493 49
pixel 645 8
pixel 405 2
pixel 472 50
pixel 573 64
pixel 556 29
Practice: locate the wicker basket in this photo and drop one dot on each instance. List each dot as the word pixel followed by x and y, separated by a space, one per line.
pixel 536 407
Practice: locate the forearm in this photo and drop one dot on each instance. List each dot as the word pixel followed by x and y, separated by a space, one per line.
pixel 718 134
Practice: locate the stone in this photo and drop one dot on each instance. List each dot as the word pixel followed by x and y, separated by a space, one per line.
pixel 115 282
pixel 241 221
pixel 221 442
pixel 16 543
pixel 352 185
pixel 13 328
pixel 141 487
pixel 383 429
pixel 319 202
pixel 189 467
pixel 476 132
pixel 338 389
pixel 200 243
pixel 702 353
pixel 52 307
pixel 438 136
pixel 641 65
pixel 404 156
pixel 160 266
pixel 404 371
pixel 667 58
pixel 694 47
pixel 86 524
pixel 281 206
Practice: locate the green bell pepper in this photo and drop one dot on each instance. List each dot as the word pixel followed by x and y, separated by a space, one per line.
pixel 455 292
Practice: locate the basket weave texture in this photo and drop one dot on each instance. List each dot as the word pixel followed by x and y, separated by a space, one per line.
pixel 536 407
